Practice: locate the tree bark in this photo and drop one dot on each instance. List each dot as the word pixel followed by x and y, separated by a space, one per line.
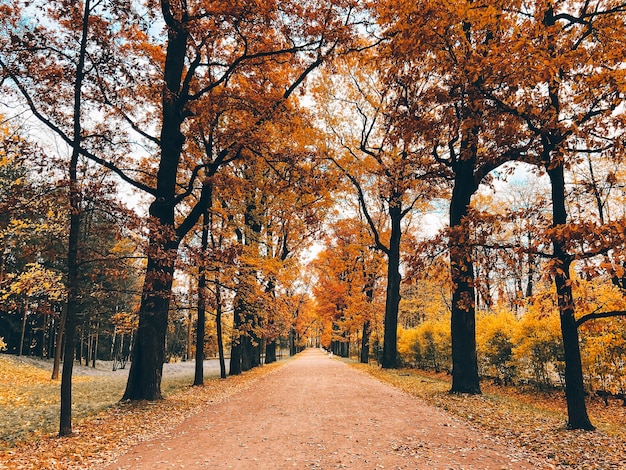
pixel 65 418
pixel 235 349
pixel 23 333
pixel 146 369
pixel 365 343
pixel 218 327
pixel 392 302
pixel 200 326
pixel 270 351
pixel 574 384
pixel 463 321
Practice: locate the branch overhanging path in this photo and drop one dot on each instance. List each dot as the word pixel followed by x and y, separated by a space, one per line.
pixel 317 412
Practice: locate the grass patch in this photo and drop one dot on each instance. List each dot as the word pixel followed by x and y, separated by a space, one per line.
pixel 100 437
pixel 530 420
pixel 30 400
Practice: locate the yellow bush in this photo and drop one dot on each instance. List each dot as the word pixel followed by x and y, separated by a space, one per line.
pixel 538 350
pixel 494 343
pixel 427 346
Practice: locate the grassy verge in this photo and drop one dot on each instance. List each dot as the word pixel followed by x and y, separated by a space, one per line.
pixel 103 427
pixel 30 400
pixel 534 421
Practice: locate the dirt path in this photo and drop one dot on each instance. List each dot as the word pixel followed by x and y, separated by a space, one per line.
pixel 319 413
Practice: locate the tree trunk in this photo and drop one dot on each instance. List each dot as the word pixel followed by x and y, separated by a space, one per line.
pixel 392 301
pixel 292 342
pixel 235 350
pixel 148 354
pixel 95 346
pixel 146 369
pixel 23 334
pixel 200 326
pixel 218 327
pixel 65 418
pixel 365 343
pixel 59 344
pixel 574 384
pixel 463 321
pixel 270 351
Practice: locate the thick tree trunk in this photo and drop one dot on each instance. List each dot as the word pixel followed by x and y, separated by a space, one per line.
pixel 463 321
pixel 574 384
pixel 392 301
pixel 270 351
pixel 146 367
pixel 144 378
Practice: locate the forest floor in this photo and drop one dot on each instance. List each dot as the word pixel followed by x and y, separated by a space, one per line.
pixel 314 412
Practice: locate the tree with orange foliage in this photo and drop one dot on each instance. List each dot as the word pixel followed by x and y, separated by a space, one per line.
pixel 568 96
pixel 348 280
pixel 141 78
pixel 385 170
pixel 442 55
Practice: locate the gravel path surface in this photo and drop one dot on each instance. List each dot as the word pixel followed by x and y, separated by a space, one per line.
pixel 319 413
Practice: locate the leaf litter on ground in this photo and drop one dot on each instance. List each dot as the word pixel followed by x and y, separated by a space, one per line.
pixel 534 421
pixel 98 438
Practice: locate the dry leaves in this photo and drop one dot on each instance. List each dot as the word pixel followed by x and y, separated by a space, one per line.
pixel 535 422
pixel 99 439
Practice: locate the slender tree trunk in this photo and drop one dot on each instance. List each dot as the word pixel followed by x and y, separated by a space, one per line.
pixel 365 343
pixel 574 384
pixel 202 290
pixel 59 344
pixel 292 342
pixel 235 350
pixel 218 326
pixel 463 321
pixel 65 420
pixel 23 333
pixel 392 302
pixel 95 346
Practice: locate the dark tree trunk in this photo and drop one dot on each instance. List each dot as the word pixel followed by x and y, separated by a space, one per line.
pixel 392 302
pixel 292 342
pixel 58 348
pixel 365 343
pixel 65 417
pixel 218 327
pixel 574 384
pixel 236 348
pixel 463 321
pixel 270 352
pixel 148 354
pixel 200 325
pixel 144 378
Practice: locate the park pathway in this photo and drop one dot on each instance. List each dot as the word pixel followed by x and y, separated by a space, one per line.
pixel 319 413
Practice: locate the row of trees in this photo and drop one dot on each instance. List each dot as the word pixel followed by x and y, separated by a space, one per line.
pixel 527 348
pixel 413 107
pixel 459 91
